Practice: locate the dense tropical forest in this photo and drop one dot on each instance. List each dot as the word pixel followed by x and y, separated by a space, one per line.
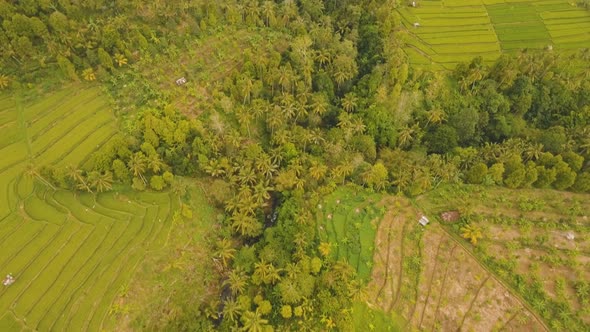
pixel 285 103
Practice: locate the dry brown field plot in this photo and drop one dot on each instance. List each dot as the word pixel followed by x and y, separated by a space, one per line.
pixel 428 277
pixel 535 241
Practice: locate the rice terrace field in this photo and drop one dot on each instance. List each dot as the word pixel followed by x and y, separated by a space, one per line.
pixel 69 253
pixel 453 31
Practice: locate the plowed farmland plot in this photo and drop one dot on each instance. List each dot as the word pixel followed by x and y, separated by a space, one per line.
pixel 69 253
pixel 440 34
pixel 534 241
pixel 426 276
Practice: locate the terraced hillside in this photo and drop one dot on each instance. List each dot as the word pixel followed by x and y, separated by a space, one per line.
pixel 453 31
pixel 69 253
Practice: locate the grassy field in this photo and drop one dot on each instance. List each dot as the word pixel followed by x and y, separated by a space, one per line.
pixel 525 245
pixel 69 253
pixel 348 221
pixel 457 31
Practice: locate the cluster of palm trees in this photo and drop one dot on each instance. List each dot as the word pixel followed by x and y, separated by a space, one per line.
pixel 93 181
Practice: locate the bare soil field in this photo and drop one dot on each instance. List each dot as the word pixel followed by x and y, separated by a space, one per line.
pixel 428 277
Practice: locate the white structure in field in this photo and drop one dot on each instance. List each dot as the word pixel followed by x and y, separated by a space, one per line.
pixel 416 24
pixel 423 221
pixel 181 81
pixel 9 280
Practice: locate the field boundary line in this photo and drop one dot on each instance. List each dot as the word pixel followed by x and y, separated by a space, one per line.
pixel 442 286
pixel 401 266
pixel 510 289
pixel 473 300
pixel 22 121
pixel 440 242
pixel 66 153
pixel 24 245
pixel 100 264
pixel 56 105
pixel 65 133
pixel 516 312
pixel 100 144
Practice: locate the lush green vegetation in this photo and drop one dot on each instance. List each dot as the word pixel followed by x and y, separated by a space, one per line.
pixel 294 115
pixel 347 223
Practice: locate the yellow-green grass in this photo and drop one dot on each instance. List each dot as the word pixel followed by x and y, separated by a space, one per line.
pixel 69 253
pixel 457 31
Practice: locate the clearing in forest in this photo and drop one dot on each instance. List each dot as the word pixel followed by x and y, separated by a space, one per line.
pixel 427 277
pixel 69 253
pixel 453 31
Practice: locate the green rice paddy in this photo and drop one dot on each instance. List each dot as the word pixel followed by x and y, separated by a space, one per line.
pixel 453 31
pixel 69 253
pixel 348 220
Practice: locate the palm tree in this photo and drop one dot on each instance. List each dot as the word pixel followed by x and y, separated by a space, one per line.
pixel 275 121
pixel 253 321
pixel 215 168
pixel 357 291
pixel 436 116
pixel 4 81
pixel 322 57
pixel 340 76
pixel 237 281
pixel 247 175
pixel 78 177
pixel 247 86
pixel 406 135
pixel 319 104
pixel 265 166
pixel 268 11
pixel 262 192
pixel 533 151
pixel 100 181
pixel 318 170
pixel 231 310
pixel 155 163
pixel 75 174
pixel 88 74
pixel 137 165
pixel 120 60
pixel 284 77
pixel 32 172
pixel 225 251
pixel 349 102
pixel 266 272
pixel 245 224
pixel 471 232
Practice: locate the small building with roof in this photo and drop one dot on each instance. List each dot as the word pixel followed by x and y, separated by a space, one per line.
pixel 423 221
